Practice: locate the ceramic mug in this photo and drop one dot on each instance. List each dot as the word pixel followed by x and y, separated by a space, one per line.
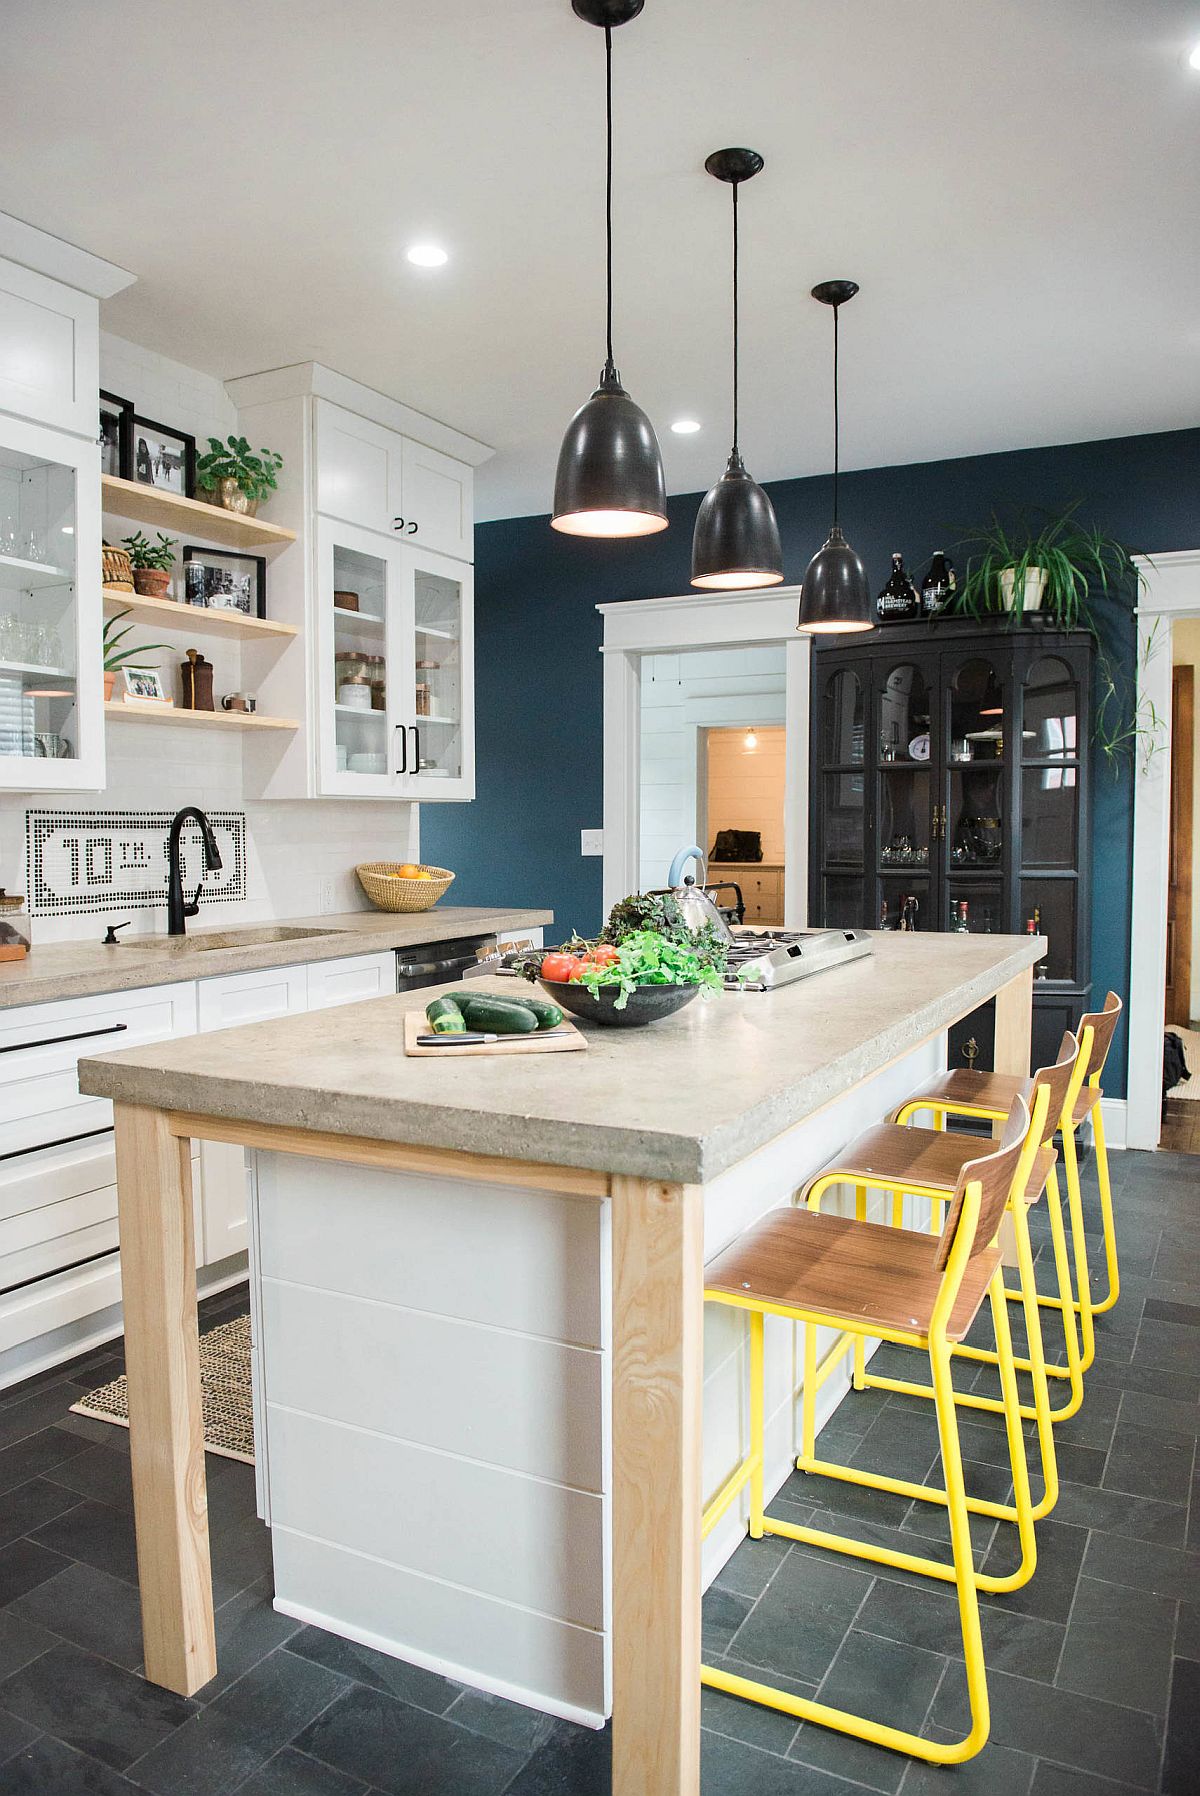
pixel 239 701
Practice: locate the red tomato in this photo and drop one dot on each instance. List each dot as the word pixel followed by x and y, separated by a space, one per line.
pixel 604 955
pixel 559 968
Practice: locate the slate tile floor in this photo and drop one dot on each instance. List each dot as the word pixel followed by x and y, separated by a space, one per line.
pixel 1094 1667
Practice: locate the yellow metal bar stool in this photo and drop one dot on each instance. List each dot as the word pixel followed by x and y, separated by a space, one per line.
pixel 922 1291
pixel 1063 1081
pixel 928 1163
pixel 988 1097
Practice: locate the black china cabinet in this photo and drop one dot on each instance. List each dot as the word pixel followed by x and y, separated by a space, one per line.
pixel 951 770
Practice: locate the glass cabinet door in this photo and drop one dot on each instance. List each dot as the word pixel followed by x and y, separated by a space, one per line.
pixel 843 800
pixel 434 704
pixel 361 629
pixel 1050 820
pixel 51 684
pixel 975 822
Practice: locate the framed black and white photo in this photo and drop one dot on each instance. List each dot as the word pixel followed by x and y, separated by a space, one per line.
pixel 164 458
pixel 145 683
pixel 116 435
pixel 222 581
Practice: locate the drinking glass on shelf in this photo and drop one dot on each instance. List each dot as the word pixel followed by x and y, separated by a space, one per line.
pixel 9 636
pixel 34 549
pixel 8 538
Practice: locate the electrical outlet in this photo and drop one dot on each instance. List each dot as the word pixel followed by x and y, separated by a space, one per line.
pixel 591 841
pixel 328 897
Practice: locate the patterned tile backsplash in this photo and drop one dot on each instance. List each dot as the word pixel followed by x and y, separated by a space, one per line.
pixel 80 863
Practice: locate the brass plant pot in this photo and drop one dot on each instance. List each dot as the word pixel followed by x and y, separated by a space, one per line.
pixel 230 497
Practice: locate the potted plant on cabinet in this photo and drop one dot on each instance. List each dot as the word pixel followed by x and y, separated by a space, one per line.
pixel 151 563
pixel 1052 567
pixel 231 475
pixel 116 657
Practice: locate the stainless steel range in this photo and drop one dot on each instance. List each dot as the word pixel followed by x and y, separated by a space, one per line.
pixel 761 959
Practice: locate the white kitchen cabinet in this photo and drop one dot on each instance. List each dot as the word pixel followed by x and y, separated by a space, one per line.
pixel 49 351
pixel 351 980
pixel 395 692
pixel 51 687
pixel 369 475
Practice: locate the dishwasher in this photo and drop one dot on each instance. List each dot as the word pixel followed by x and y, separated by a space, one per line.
pixel 441 963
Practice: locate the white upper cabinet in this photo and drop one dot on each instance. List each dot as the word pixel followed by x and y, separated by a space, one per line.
pixel 49 351
pixel 372 476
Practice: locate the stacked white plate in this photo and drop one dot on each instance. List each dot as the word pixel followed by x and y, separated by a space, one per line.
pixel 368 763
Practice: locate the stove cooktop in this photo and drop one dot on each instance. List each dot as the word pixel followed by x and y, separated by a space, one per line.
pixel 762 959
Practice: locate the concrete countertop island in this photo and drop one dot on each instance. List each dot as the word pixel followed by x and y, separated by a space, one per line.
pixel 488 1399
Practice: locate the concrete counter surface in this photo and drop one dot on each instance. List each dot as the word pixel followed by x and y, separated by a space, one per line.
pixel 681 1100
pixel 84 969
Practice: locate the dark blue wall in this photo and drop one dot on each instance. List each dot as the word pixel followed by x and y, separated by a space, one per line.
pixel 539 684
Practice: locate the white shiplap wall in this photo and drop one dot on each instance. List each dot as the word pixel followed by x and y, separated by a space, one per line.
pixel 294 850
pixel 681 694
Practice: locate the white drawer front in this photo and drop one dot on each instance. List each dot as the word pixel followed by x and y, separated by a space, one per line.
pixel 349 981
pixel 41 1045
pixel 251 997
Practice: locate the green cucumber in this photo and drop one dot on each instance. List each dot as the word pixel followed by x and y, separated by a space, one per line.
pixel 548 1015
pixel 496 1016
pixel 444 1017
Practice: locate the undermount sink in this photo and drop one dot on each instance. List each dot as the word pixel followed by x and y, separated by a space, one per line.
pixel 225 938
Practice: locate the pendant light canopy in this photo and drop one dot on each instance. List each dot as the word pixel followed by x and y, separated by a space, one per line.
pixel 610 479
pixel 736 542
pixel 835 596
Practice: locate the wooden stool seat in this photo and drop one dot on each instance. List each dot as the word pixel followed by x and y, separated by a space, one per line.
pixel 962 1087
pixel 1085 1103
pixel 889 1154
pixel 800 1259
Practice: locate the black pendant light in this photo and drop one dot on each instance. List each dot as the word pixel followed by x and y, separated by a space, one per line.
pixel 736 543
pixel 610 479
pixel 835 596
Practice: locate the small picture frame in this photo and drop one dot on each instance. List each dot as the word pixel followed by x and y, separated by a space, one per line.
pixel 145 685
pixel 219 580
pixel 116 435
pixel 163 457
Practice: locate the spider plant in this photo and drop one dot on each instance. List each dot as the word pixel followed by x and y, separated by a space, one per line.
pixel 115 656
pixel 1079 562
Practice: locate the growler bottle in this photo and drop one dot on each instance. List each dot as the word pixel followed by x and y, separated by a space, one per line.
pixel 899 599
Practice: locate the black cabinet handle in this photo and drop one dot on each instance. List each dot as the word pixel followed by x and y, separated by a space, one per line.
pixel 397 523
pixel 53 1041
pixel 403 767
pixel 413 528
pixel 416 748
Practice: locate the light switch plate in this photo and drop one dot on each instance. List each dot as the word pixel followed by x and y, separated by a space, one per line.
pixel 591 841
pixel 328 897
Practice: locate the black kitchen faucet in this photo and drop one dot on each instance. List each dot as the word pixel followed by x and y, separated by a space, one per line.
pixel 177 910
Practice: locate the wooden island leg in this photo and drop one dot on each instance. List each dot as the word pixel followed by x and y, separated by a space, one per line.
pixel 1014 1025
pixel 657 1359
pixel 166 1429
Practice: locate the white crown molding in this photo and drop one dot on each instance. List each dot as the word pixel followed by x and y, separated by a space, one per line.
pixel 302 379
pixel 59 260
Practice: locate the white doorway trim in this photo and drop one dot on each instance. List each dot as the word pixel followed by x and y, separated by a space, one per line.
pixel 1171 590
pixel 640 627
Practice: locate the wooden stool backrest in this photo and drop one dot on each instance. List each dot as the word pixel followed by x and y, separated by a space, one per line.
pixel 1057 1081
pixel 996 1174
pixel 1103 1024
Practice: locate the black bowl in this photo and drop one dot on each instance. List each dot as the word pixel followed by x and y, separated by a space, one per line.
pixel 646 1004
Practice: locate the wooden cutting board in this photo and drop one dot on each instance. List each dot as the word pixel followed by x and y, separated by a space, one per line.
pixel 563 1040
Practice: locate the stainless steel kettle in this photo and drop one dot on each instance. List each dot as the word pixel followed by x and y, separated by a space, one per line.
pixel 695 903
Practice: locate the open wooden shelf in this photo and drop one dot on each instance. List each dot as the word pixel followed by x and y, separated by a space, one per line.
pixel 169 511
pixel 169 614
pixel 148 712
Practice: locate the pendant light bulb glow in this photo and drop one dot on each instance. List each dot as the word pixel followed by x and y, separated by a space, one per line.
pixel 750 743
pixel 835 597
pixel 610 479
pixel 736 542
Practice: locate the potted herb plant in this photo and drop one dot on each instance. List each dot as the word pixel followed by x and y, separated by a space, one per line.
pixel 151 563
pixel 231 475
pixel 1052 567
pixel 116 657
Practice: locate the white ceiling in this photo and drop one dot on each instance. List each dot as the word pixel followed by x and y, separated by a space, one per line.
pixel 1013 183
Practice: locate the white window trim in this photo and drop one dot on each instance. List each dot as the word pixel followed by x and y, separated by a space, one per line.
pixel 1171 590
pixel 668 626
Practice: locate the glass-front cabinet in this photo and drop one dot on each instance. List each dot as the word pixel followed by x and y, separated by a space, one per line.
pixel 950 792
pixel 394 690
pixel 51 673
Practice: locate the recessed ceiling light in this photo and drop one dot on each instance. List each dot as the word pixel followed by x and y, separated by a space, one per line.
pixel 427 255
pixel 686 427
pixel 1194 58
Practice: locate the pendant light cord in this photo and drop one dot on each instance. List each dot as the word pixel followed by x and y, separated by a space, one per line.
pixel 735 318
pixel 837 433
pixel 608 190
